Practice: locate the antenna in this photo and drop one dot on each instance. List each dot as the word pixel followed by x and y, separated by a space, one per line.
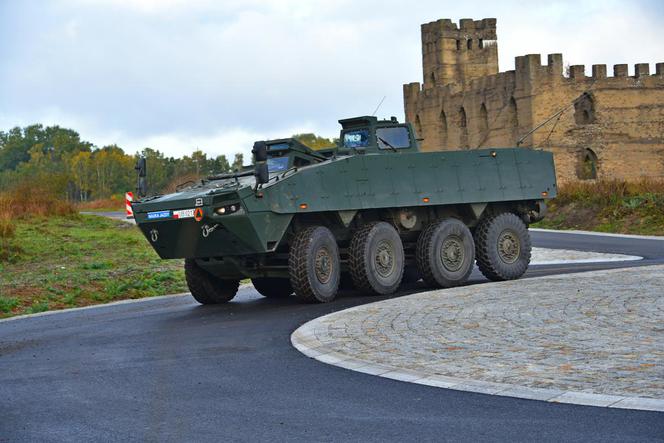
pixel 378 107
pixel 557 116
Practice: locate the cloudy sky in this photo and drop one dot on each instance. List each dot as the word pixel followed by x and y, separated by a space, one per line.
pixel 178 75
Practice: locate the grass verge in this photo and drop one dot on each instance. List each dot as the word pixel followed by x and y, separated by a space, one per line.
pixel 70 261
pixel 114 203
pixel 608 206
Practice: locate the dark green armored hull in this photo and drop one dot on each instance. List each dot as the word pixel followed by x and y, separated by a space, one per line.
pixel 246 224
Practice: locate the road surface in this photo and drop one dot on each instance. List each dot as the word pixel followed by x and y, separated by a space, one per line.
pixel 167 369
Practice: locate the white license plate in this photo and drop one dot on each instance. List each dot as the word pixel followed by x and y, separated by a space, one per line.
pixel 183 213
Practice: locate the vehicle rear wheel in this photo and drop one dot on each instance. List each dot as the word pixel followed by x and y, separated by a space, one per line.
pixel 376 258
pixel 445 253
pixel 314 265
pixel 205 287
pixel 273 287
pixel 502 247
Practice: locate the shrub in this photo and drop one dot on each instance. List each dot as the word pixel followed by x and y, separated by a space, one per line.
pixel 114 202
pixel 26 201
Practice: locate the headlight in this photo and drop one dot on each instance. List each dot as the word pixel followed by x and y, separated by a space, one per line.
pixel 229 209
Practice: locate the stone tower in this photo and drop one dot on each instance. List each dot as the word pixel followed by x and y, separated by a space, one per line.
pixel 458 54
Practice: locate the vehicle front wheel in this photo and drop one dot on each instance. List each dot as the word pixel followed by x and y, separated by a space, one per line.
pixel 376 258
pixel 445 253
pixel 273 287
pixel 502 247
pixel 314 265
pixel 205 287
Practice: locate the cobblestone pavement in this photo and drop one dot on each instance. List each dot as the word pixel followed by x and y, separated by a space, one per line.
pixel 591 338
pixel 545 256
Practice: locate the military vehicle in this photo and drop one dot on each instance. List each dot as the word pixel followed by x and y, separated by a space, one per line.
pixel 369 210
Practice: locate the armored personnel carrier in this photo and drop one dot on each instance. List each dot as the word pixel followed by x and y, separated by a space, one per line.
pixel 371 210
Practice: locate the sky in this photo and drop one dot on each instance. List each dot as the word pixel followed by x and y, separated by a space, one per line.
pixel 180 75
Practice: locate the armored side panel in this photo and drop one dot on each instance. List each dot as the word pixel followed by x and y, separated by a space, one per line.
pixel 412 179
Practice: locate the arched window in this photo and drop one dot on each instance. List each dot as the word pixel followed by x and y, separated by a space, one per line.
pixel 418 127
pixel 512 124
pixel 458 44
pixel 443 129
pixel 470 43
pixel 432 77
pixel 584 109
pixel 484 121
pixel 588 166
pixel 463 129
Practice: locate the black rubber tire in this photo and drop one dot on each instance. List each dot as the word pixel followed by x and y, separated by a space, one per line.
pixel 205 287
pixel 363 268
pixel 304 249
pixel 429 253
pixel 272 287
pixel 489 259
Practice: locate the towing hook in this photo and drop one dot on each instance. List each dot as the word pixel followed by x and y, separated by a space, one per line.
pixel 207 230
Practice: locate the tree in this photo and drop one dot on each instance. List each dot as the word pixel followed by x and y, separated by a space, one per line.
pixel 221 165
pixel 237 162
pixel 14 149
pixel 314 141
pixel 82 174
pixel 56 161
pixel 113 171
pixel 199 162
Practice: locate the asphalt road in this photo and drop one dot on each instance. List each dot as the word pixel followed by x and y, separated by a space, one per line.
pixel 170 370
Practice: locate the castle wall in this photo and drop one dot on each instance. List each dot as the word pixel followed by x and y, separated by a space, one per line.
pixel 614 131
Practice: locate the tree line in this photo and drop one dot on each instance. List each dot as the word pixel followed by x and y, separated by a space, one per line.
pixel 57 160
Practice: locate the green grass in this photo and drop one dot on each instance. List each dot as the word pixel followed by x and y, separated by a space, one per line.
pixel 627 208
pixel 81 260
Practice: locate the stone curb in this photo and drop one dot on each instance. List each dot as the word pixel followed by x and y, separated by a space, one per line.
pixel 304 339
pixel 306 344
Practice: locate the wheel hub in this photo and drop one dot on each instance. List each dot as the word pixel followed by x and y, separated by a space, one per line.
pixel 384 259
pixel 509 246
pixel 452 254
pixel 323 266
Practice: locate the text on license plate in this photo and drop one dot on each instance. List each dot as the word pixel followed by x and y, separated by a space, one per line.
pixel 183 213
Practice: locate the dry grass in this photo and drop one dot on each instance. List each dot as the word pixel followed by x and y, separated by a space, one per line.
pixel 608 192
pixel 115 202
pixel 609 206
pixel 26 202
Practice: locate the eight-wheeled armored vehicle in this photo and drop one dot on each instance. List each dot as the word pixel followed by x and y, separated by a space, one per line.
pixel 370 210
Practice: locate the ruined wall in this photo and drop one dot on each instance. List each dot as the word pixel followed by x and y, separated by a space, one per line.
pixel 614 129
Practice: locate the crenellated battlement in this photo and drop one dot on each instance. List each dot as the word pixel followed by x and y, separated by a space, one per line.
pixel 467 25
pixel 528 68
